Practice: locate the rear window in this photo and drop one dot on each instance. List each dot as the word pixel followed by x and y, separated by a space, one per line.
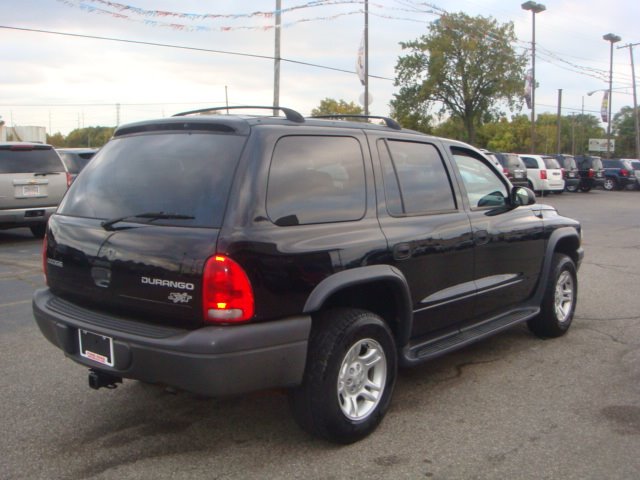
pixel 186 174
pixel 36 159
pixel 551 162
pixel 569 163
pixel 635 165
pixel 76 161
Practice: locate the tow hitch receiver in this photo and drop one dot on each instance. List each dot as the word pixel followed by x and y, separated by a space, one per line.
pixel 98 379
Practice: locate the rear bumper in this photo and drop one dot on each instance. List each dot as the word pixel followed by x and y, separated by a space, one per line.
pixel 213 360
pixel 25 217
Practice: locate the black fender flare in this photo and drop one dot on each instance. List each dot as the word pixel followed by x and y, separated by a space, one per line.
pixel 361 276
pixel 554 239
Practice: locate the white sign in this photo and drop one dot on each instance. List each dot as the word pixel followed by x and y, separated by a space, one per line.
pixel 600 145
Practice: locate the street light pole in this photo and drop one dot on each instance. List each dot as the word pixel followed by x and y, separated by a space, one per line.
pixel 611 38
pixel 535 8
pixel 635 97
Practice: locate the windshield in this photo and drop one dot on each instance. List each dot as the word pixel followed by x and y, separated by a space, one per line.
pixel 29 159
pixel 185 174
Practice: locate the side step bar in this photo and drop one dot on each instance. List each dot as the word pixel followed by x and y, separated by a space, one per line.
pixel 421 351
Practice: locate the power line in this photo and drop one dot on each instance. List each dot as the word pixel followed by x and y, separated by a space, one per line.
pixel 182 47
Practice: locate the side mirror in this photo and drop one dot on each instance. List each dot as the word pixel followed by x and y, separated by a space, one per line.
pixel 522 196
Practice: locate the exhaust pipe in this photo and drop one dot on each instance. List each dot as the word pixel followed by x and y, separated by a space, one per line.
pixel 98 379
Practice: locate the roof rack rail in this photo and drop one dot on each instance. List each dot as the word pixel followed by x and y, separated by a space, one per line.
pixel 291 115
pixel 389 122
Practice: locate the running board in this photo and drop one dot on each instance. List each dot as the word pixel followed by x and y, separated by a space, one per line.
pixel 419 352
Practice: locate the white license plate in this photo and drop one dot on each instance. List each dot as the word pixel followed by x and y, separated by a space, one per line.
pixel 518 174
pixel 96 347
pixel 30 190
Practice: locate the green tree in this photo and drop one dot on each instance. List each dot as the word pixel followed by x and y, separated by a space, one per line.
pixel 624 130
pixel 329 106
pixel 466 65
pixel 89 137
pixel 57 140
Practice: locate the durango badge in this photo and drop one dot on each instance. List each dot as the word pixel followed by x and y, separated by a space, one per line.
pixel 167 283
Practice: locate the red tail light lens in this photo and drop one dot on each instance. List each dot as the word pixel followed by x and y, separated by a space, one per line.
pixel 543 174
pixel 69 179
pixel 624 172
pixel 44 259
pixel 506 172
pixel 227 296
pixel 591 173
pixel 564 173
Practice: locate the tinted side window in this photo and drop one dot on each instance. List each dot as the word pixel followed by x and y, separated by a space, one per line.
pixel 530 162
pixel 316 179
pixel 551 162
pixel 484 188
pixel 29 160
pixel 415 178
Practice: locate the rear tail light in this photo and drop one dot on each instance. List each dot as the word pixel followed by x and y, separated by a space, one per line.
pixel 69 179
pixel 624 172
pixel 44 259
pixel 543 174
pixel 506 172
pixel 227 296
pixel 564 173
pixel 591 173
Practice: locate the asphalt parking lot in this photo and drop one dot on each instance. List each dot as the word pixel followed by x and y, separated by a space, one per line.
pixel 511 407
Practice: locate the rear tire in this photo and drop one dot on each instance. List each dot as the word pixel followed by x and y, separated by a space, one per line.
pixel 571 188
pixel 349 377
pixel 585 189
pixel 610 184
pixel 559 301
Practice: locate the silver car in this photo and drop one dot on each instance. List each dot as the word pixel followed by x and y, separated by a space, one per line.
pixel 32 183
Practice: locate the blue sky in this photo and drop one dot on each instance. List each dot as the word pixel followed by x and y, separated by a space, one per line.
pixel 65 82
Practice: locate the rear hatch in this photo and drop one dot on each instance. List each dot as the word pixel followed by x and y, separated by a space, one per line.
pixel 31 176
pixel 136 228
pixel 554 171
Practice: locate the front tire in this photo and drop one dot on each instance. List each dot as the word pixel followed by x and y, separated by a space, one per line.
pixel 349 378
pixel 559 301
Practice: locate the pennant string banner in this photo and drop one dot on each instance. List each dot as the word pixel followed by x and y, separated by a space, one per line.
pixel 128 12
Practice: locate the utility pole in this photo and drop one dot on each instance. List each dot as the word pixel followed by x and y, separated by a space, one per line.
pixel 635 98
pixel 276 61
pixel 611 38
pixel 559 118
pixel 534 8
pixel 366 57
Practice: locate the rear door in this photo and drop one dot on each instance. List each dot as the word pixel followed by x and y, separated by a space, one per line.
pixel 138 225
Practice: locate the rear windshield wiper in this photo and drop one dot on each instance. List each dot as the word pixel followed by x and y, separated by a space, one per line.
pixel 46 173
pixel 108 224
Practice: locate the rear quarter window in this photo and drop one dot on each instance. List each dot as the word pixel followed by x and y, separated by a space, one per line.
pixel 316 179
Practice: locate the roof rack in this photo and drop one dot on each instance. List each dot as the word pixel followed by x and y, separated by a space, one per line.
pixel 389 122
pixel 291 115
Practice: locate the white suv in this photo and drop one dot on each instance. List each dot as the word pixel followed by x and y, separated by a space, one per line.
pixel 544 173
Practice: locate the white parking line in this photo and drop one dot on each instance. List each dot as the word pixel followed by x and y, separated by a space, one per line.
pixel 11 304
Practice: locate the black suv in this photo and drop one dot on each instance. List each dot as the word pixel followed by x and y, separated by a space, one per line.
pixel 591 172
pixel 222 254
pixel 514 168
pixel 570 171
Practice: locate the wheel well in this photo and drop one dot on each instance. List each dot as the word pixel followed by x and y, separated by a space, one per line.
pixel 380 297
pixel 568 246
